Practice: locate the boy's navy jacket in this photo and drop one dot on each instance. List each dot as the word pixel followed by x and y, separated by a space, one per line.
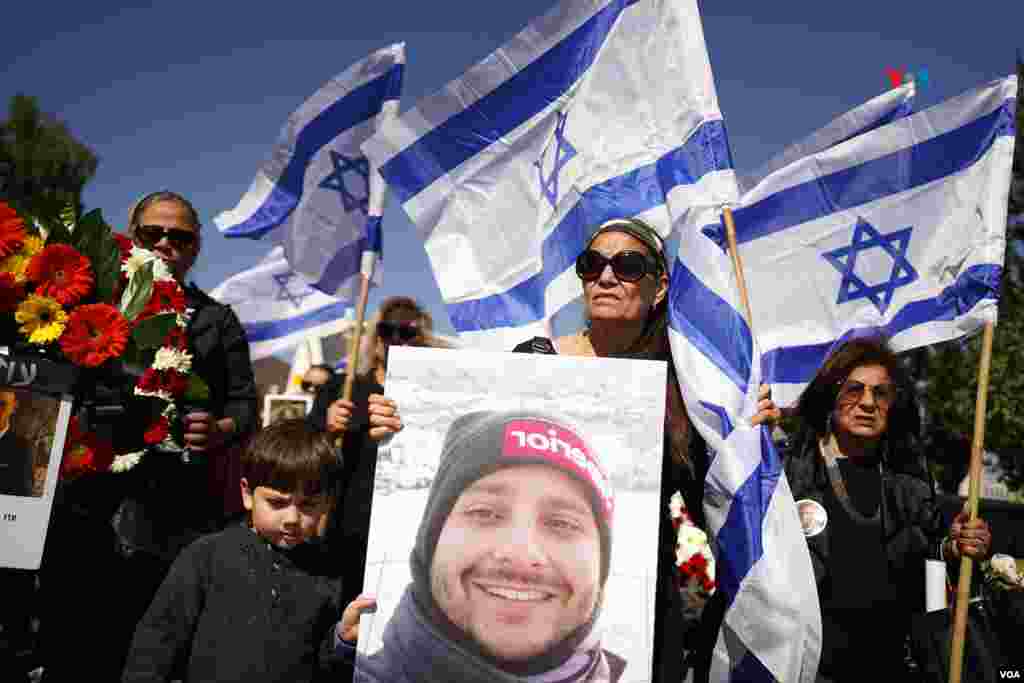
pixel 235 608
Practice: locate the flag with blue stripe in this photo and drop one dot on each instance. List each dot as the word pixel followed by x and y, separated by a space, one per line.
pixel 900 230
pixel 277 306
pixel 588 114
pixel 772 625
pixel 890 106
pixel 318 195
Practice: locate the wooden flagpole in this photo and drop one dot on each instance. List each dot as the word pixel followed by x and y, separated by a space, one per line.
pixel 963 589
pixel 352 367
pixel 737 265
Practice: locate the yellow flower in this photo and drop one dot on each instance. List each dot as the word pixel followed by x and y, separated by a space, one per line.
pixel 15 264
pixel 42 319
pixel 32 245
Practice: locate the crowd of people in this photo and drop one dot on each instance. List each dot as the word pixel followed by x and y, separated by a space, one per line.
pixel 248 563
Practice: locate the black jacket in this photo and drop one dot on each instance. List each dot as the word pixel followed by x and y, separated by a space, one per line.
pixel 221 357
pixel 348 529
pixel 912 524
pixel 235 608
pixel 15 465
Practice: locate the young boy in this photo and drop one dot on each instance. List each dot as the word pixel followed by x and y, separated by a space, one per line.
pixel 250 603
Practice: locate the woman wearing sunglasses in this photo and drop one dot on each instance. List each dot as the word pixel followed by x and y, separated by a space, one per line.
pixel 872 518
pixel 624 275
pixel 163 503
pixel 400 321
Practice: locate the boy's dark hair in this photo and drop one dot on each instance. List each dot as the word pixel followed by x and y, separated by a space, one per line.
pixel 291 455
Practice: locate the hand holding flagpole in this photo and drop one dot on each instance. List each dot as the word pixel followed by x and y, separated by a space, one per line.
pixel 963 589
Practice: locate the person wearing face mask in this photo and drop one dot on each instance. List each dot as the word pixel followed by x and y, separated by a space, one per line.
pixel 400 321
pixel 624 275
pixel 855 464
pixel 511 561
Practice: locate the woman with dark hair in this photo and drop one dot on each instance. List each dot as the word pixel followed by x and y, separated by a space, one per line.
pixel 871 521
pixel 624 274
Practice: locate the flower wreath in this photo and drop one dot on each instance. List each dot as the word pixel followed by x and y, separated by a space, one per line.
pixel 80 292
pixel 694 560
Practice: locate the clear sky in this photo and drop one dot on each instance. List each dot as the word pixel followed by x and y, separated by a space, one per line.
pixel 190 95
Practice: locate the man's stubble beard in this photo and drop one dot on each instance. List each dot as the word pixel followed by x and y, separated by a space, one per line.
pixel 443 595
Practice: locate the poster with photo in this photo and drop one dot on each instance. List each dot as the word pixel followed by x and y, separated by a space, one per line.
pixel 277 407
pixel 35 410
pixel 514 525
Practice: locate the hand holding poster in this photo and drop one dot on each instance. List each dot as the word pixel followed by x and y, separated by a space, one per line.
pixel 534 549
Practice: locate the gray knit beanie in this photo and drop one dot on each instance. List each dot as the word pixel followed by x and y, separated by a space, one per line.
pixel 479 443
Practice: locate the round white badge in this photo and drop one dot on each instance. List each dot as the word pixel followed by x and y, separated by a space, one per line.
pixel 813 517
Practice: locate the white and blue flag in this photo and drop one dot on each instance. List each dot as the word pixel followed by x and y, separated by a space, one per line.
pixel 892 105
pixel 901 230
pixel 277 307
pixel 586 115
pixel 772 624
pixel 317 195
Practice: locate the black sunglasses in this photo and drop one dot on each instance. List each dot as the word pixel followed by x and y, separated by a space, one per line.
pixel 628 266
pixel 405 332
pixel 149 235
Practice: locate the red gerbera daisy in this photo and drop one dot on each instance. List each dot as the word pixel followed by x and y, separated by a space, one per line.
pixel 84 453
pixel 12 230
pixel 157 432
pixel 94 334
pixel 167 297
pixel 12 292
pixel 59 271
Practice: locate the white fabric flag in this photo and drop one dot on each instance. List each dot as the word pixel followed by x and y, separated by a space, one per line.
pixel 890 106
pixel 586 115
pixel 277 307
pixel 772 625
pixel 901 230
pixel 318 195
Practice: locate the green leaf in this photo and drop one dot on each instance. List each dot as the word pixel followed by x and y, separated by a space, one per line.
pixel 198 389
pixel 151 332
pixel 95 240
pixel 137 293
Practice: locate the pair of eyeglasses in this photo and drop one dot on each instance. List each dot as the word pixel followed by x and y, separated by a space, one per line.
pixel 149 235
pixel 852 392
pixel 309 387
pixel 628 266
pixel 404 332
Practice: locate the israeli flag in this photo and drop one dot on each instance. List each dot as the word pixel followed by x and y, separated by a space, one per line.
pixel 318 195
pixel 277 307
pixel 890 106
pixel 772 624
pixel 901 230
pixel 588 114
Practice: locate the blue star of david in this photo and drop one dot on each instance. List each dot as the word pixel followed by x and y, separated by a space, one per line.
pixel 286 293
pixel 865 237
pixel 336 181
pixel 563 153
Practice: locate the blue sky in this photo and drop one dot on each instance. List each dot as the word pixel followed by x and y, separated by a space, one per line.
pixel 190 95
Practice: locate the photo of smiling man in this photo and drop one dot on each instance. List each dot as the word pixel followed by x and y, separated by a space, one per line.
pixel 510 563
